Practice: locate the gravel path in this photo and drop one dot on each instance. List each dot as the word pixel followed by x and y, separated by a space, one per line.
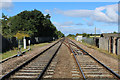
pixel 102 57
pixel 11 64
pixel 65 63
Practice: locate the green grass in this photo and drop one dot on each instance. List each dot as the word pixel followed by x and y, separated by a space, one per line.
pixel 39 45
pixel 10 53
pixel 15 51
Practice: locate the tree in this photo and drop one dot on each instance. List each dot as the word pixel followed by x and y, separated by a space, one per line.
pixel 5 26
pixel 114 32
pixel 32 23
pixel 47 16
pixel 84 34
pixel 21 35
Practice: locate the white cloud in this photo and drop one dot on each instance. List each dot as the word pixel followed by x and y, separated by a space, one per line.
pixel 47 11
pixel 56 23
pixel 75 13
pixel 72 29
pixel 109 16
pixel 67 31
pixel 66 24
pixel 79 24
pixel 5 4
pixel 89 22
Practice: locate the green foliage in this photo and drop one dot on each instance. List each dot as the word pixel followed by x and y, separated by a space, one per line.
pixel 32 23
pixel 21 35
pixel 78 34
pixel 114 32
pixel 71 35
pixel 84 35
pixel 60 34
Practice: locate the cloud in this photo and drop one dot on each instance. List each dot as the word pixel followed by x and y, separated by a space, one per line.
pixel 47 11
pixel 56 23
pixel 109 16
pixel 73 29
pixel 66 24
pixel 75 13
pixel 67 31
pixel 5 4
pixel 89 22
pixel 79 24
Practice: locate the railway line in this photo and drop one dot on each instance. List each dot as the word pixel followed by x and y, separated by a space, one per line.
pixel 43 65
pixel 89 67
pixel 35 68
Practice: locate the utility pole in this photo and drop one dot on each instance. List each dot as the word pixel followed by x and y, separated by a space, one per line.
pixel 95 32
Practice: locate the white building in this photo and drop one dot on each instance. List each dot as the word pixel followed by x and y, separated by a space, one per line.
pixel 78 38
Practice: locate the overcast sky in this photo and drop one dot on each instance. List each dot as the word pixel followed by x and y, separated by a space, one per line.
pixel 72 17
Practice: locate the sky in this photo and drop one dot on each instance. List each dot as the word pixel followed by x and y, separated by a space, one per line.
pixel 72 17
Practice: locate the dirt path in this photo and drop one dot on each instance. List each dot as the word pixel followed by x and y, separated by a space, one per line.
pixel 65 63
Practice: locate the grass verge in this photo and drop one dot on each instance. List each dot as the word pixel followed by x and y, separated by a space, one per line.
pixel 15 51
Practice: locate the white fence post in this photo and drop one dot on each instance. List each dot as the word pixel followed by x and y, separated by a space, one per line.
pixel 24 42
pixel 29 44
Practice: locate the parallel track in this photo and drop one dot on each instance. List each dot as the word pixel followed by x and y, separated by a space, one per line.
pixel 90 67
pixel 35 68
pixel 42 66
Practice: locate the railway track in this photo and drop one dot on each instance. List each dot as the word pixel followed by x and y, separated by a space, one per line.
pixel 87 66
pixel 40 66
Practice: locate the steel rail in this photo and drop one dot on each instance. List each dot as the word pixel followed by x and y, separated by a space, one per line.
pixel 77 63
pixel 25 63
pixel 118 76
pixel 43 71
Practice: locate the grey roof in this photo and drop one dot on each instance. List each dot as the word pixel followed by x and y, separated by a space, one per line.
pixel 111 34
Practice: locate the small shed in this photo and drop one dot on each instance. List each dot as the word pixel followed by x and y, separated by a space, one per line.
pixel 79 38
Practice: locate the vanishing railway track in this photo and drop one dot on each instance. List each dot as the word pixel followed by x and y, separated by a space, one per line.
pixel 88 66
pixel 40 66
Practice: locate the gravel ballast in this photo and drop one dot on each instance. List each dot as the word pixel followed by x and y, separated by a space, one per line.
pixel 12 63
pixel 106 59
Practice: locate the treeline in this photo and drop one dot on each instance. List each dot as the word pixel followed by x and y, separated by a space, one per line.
pixel 84 35
pixel 29 24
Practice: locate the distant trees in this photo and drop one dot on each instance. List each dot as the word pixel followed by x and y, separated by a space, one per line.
pixel 115 32
pixel 71 35
pixel 32 23
pixel 83 34
pixel 86 35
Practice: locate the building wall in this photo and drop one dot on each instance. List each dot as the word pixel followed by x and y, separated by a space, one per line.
pixel 118 47
pixel 78 38
pixel 112 45
pixel 90 41
pixel 104 43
